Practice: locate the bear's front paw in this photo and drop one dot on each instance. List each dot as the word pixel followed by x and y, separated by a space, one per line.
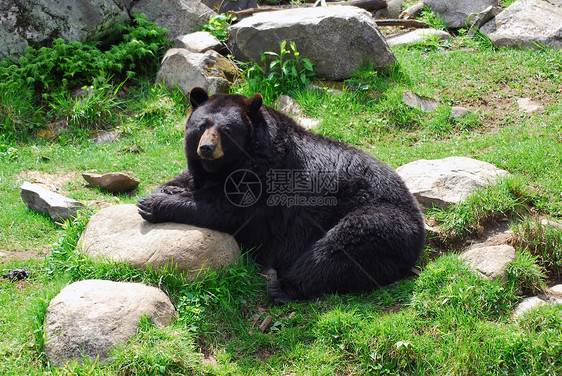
pixel 149 207
pixel 171 190
pixel 280 292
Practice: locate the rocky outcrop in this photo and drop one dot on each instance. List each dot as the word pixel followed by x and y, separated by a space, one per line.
pixel 121 234
pixel 455 12
pixel 186 70
pixel 338 40
pixel 39 22
pixel 526 24
pixel 444 182
pixel 88 318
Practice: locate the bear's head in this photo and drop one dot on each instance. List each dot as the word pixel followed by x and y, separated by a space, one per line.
pixel 220 129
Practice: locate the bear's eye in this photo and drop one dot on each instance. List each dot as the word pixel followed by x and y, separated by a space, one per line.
pixel 227 129
pixel 202 126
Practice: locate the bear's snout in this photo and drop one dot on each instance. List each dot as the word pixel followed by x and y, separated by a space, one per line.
pixel 210 146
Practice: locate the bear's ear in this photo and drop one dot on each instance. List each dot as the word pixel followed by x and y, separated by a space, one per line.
pixel 197 97
pixel 255 103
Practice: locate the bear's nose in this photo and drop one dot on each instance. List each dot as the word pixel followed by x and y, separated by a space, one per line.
pixel 206 149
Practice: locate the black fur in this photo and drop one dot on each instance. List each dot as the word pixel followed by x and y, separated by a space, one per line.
pixel 372 237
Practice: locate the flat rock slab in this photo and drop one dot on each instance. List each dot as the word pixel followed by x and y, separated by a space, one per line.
pixel 121 234
pixel 88 318
pixel 490 261
pixel 445 182
pixel 42 200
pixel 112 182
pixel 416 36
pixel 338 40
pixel 526 23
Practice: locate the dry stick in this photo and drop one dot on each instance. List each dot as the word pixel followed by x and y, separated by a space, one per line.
pixel 400 22
pixel 363 4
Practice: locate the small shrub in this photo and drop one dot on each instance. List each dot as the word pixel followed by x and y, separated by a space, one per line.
pixel 281 73
pixel 218 26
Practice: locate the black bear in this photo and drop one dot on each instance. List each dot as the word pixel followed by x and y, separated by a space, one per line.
pixel 326 217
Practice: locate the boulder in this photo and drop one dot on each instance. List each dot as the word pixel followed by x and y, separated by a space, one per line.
pixel 455 12
pixel 186 70
pixel 38 22
pixel 526 23
pixel 178 16
pixel 392 10
pixel 476 20
pixel 42 200
pixel 458 112
pixel 416 36
pixel 118 232
pixel 113 181
pixel 444 182
pixel 88 318
pixel 527 305
pixel 491 261
pixel 200 41
pixel 338 40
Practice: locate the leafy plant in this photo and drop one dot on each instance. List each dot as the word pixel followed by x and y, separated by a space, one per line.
pixel 218 26
pixel 433 19
pixel 280 73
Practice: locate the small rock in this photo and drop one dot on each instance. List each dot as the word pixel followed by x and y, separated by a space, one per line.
pixel 17 274
pixel 528 304
pixel 200 42
pixel 289 107
pixel 528 105
pixel 113 181
pixel 417 101
pixel 104 137
pixel 119 233
pixel 556 291
pixel 444 182
pixel 265 324
pixel 416 36
pixel 551 223
pixel 44 201
pixel 491 261
pixel 457 112
pixel 88 318
pixel 52 130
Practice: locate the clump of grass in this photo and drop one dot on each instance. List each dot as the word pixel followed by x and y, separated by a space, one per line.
pixel 544 242
pixel 525 274
pixel 510 197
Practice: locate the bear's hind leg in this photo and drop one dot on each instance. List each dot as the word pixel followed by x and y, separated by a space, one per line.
pixel 368 248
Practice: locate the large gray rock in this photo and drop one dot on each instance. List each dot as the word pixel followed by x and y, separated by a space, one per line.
pixel 38 22
pixel 524 24
pixel 88 318
pixel 455 12
pixel 186 70
pixel 42 200
pixel 224 6
pixel 121 234
pixel 178 16
pixel 491 261
pixel 447 181
pixel 337 39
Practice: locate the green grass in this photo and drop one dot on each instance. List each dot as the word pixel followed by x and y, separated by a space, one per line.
pixel 446 321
